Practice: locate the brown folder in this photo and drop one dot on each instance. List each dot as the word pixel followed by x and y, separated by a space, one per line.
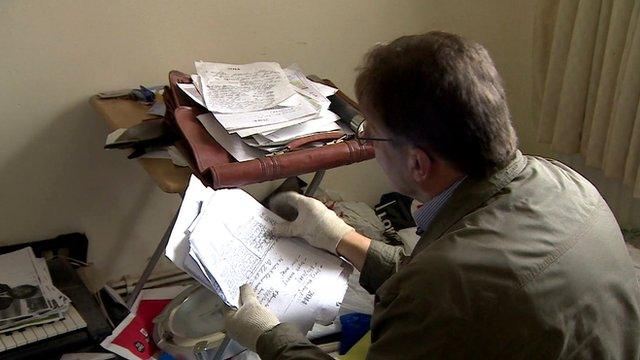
pixel 215 166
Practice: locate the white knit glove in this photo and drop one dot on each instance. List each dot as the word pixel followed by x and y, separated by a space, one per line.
pixel 251 320
pixel 314 222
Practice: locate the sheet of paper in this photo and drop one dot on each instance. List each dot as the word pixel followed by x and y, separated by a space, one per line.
pixel 195 79
pixel 266 117
pixel 325 122
pixel 193 264
pixel 177 249
pixel 304 86
pixel 114 135
pixel 293 100
pixel 197 194
pixel 325 90
pixel 270 147
pixel 271 128
pixel 307 130
pixel 234 243
pixel 30 297
pixel 55 298
pixel 192 91
pixel 17 272
pixel 292 281
pixel 230 88
pixel 167 152
pixel 230 142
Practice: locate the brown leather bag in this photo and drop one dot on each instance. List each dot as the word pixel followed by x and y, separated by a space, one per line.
pixel 215 166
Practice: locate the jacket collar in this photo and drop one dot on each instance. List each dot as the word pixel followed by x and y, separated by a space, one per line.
pixel 469 196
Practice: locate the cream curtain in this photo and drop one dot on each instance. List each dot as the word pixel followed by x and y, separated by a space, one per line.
pixel 587 82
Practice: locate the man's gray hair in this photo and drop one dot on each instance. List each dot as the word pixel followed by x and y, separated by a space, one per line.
pixel 441 92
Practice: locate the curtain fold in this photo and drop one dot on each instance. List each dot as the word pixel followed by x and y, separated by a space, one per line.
pixel 587 55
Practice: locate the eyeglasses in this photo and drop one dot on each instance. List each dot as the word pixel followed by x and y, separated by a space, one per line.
pixel 361 135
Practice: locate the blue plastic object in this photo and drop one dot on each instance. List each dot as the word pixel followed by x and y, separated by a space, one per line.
pixel 354 326
pixel 166 356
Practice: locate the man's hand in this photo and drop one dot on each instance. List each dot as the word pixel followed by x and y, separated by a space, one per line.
pixel 251 320
pixel 314 222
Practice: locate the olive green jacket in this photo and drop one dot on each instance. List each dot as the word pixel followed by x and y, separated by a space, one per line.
pixel 529 263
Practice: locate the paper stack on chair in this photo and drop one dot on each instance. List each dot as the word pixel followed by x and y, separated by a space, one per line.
pixel 261 103
pixel 27 294
pixel 223 239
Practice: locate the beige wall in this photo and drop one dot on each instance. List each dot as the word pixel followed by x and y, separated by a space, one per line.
pixel 56 54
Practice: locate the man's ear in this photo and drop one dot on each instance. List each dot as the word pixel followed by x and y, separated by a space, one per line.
pixel 419 164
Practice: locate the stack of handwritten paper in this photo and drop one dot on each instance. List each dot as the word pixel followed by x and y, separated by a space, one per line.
pixel 259 106
pixel 224 239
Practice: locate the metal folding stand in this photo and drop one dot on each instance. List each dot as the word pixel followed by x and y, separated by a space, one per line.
pixel 152 262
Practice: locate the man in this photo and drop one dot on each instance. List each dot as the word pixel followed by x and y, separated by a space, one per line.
pixel 519 256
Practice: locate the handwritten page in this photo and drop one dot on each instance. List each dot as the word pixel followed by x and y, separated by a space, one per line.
pixel 229 88
pixel 326 121
pixel 232 244
pixel 194 91
pixel 306 87
pixel 292 281
pixel 267 117
pixel 244 132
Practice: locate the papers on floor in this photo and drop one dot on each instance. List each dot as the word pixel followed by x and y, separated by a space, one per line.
pixel 132 338
pixel 27 294
pixel 224 239
pixel 263 105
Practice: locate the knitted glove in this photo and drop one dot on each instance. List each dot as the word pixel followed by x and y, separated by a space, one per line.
pixel 314 222
pixel 251 320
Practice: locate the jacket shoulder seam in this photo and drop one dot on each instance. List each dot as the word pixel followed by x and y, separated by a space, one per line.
pixel 528 277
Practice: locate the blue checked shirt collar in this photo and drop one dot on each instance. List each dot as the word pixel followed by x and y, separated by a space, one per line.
pixel 425 214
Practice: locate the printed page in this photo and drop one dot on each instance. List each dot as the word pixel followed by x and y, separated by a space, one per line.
pixel 20 281
pixel 229 88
